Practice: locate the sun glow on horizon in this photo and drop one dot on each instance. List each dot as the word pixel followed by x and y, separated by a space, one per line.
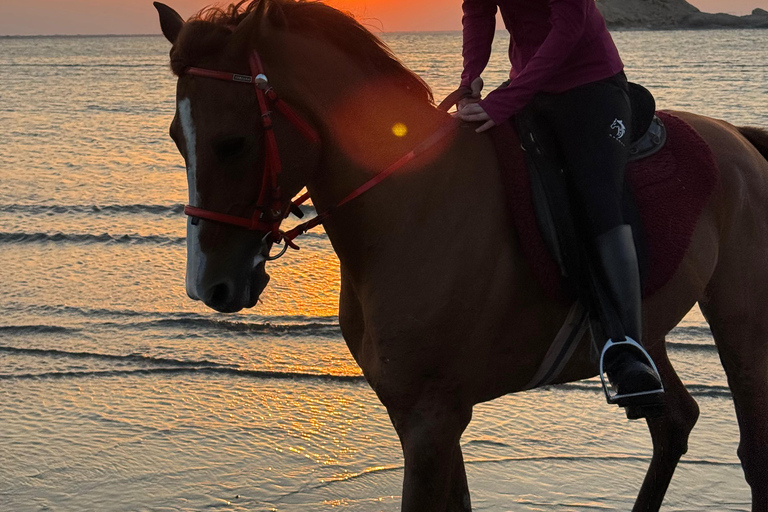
pixel 49 17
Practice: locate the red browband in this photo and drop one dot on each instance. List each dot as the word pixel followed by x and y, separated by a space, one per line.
pixel 268 214
pixel 261 81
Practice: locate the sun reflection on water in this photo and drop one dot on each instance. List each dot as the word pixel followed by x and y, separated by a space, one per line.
pixel 95 318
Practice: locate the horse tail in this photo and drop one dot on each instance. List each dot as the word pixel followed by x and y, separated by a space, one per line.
pixel 758 137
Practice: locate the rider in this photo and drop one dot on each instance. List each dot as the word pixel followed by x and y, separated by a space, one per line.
pixel 566 67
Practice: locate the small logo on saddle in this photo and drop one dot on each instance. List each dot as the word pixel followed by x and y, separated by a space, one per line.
pixel 618 125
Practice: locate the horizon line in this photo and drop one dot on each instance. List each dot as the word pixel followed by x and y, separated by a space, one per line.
pixel 19 36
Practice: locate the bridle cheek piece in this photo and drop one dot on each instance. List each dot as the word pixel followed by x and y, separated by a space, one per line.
pixel 271 210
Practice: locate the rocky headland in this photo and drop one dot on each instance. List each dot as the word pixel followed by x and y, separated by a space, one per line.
pixel 672 14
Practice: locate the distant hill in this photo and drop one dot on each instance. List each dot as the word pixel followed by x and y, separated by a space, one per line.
pixel 669 14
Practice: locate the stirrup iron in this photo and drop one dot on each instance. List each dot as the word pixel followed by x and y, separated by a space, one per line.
pixel 615 398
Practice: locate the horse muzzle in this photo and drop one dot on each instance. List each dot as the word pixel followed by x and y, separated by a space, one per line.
pixel 230 295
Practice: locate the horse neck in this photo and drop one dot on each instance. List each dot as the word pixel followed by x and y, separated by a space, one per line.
pixel 356 116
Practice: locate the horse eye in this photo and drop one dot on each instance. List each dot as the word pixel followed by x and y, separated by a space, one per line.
pixel 229 148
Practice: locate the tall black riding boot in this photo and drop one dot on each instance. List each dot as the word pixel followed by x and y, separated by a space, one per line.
pixel 628 368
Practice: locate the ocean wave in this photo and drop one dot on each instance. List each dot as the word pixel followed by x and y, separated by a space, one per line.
pixel 696 390
pixel 129 358
pixel 279 325
pixel 212 370
pixel 75 66
pixel 49 309
pixel 709 391
pixel 171 365
pixel 534 459
pixel 41 209
pixel 697 347
pixel 606 458
pixel 268 327
pixel 691 331
pixel 88 238
pixel 105 238
pixel 487 442
pixel 109 209
pixel 36 329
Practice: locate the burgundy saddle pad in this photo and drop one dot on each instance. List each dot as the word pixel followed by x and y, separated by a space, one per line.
pixel 671 188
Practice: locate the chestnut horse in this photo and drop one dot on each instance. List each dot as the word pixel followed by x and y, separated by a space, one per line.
pixel 438 306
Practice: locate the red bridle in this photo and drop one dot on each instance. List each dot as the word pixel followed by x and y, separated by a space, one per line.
pixel 268 213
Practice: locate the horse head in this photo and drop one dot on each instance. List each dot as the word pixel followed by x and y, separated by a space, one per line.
pixel 219 130
pixel 342 84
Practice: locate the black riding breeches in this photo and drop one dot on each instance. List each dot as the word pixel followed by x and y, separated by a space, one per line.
pixel 591 124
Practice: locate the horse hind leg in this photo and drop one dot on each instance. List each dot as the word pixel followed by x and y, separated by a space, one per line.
pixel 741 336
pixel 735 306
pixel 669 432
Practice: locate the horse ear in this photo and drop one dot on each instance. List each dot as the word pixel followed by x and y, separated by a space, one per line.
pixel 268 15
pixel 275 17
pixel 170 21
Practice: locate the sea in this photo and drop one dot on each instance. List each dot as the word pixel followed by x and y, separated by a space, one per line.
pixel 118 393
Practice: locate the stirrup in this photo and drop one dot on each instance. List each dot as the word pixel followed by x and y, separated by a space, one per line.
pixel 627 399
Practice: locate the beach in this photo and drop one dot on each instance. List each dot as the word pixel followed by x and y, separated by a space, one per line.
pixel 120 393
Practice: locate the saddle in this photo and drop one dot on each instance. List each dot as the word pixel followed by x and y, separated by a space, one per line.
pixel 671 175
pixel 551 199
pixel 671 188
pixel 670 179
pixel 560 233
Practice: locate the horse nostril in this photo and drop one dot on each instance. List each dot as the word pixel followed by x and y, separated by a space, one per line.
pixel 219 294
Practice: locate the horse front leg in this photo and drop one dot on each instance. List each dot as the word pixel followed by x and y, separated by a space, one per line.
pixel 669 433
pixel 458 499
pixel 434 480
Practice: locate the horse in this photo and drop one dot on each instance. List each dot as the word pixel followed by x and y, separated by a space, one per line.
pixel 438 305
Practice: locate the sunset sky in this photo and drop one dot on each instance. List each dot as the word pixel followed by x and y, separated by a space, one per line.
pixel 30 17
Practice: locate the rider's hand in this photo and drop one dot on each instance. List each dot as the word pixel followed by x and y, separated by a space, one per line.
pixel 475 113
pixel 469 110
pixel 477 87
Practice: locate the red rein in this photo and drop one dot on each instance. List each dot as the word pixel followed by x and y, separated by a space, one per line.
pixel 268 214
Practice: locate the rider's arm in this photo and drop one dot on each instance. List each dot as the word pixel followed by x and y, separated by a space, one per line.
pixel 479 22
pixel 567 18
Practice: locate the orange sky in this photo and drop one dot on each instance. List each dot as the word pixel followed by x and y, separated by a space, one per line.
pixel 138 16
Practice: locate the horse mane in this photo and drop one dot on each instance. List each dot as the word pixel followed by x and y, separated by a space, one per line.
pixel 312 18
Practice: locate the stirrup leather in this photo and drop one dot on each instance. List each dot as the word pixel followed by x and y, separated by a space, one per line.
pixel 615 398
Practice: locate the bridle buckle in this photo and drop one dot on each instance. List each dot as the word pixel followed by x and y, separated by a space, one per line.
pixel 261 81
pixel 264 250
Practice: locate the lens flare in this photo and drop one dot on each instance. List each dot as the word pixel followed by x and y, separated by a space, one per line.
pixel 400 130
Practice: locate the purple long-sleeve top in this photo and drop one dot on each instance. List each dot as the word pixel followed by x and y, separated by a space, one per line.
pixel 555 45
